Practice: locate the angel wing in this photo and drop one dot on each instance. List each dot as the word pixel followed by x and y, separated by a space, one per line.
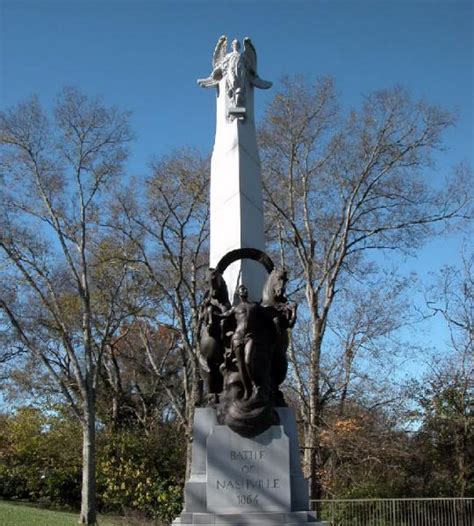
pixel 251 58
pixel 250 55
pixel 220 51
pixel 217 59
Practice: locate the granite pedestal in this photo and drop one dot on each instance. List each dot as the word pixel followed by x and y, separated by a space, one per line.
pixel 245 481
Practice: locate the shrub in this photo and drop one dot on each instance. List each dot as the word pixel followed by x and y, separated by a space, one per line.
pixel 141 472
pixel 40 461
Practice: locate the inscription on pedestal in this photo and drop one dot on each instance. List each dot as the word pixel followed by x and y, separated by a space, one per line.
pixel 245 475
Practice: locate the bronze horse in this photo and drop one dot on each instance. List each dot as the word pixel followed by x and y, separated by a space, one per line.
pixel 283 315
pixel 212 336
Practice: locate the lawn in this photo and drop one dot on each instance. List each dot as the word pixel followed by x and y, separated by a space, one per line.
pixel 20 515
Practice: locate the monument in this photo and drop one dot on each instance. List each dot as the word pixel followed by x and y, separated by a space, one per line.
pixel 236 189
pixel 245 455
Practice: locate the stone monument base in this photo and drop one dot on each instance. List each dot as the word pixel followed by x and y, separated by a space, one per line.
pixel 247 519
pixel 245 481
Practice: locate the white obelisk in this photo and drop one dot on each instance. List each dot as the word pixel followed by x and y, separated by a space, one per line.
pixel 236 210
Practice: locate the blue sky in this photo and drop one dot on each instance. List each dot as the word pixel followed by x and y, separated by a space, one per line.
pixel 145 56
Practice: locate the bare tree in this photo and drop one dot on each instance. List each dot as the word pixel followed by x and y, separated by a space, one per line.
pixel 363 330
pixel 168 227
pixel 447 391
pixel 11 350
pixel 132 395
pixel 452 297
pixel 339 187
pixel 367 451
pixel 57 294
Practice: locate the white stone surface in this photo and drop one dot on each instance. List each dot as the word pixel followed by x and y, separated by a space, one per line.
pixel 299 485
pixel 196 509
pixel 195 488
pixel 236 196
pixel 248 475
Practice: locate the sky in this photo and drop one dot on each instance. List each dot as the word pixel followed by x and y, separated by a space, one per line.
pixel 145 56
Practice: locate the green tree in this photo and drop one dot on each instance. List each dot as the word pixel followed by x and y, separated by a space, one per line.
pixel 40 457
pixel 142 472
pixel 40 460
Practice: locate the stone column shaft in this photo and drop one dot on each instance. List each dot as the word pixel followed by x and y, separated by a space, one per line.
pixel 236 196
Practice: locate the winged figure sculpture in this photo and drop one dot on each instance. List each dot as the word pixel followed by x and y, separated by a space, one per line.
pixel 234 65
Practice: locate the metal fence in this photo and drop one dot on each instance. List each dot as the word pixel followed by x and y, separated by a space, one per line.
pixel 396 512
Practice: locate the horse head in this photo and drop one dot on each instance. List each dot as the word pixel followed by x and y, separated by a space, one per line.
pixel 274 289
pixel 218 287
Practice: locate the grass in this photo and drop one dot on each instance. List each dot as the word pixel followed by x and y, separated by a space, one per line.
pixel 21 515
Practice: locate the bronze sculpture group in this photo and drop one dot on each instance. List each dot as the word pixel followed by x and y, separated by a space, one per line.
pixel 243 348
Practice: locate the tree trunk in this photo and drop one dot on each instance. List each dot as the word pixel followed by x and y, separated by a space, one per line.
pixel 189 454
pixel 462 455
pixel 315 487
pixel 88 497
pixel 195 401
pixel 313 462
pixel 315 417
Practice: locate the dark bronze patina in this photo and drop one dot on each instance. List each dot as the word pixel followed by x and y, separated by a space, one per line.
pixel 243 348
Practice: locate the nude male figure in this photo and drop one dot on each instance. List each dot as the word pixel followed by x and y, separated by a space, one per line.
pixel 244 339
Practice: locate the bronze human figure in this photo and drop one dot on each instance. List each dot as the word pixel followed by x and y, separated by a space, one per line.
pixel 245 338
